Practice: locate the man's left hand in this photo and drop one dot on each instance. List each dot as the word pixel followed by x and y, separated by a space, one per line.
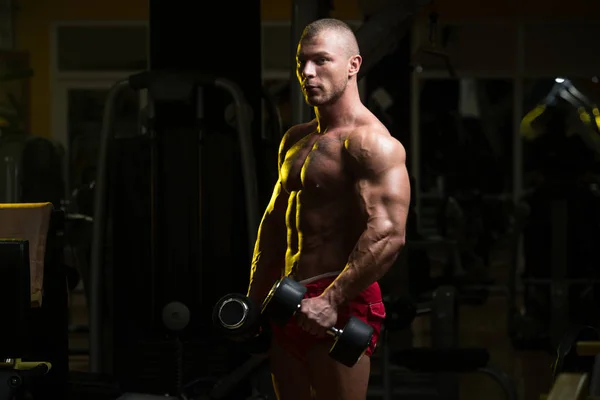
pixel 316 315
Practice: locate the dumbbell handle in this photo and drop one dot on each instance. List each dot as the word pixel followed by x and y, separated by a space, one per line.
pixel 333 331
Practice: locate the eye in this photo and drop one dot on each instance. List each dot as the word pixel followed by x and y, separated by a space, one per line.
pixel 321 61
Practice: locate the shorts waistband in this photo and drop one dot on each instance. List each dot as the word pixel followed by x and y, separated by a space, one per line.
pixel 316 278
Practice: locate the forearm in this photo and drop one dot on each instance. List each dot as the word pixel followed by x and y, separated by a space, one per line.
pixel 268 259
pixel 375 252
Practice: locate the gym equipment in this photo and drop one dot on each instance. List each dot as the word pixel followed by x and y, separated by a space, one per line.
pixel 17 376
pixel 562 217
pixel 576 372
pixel 351 342
pixel 433 371
pixel 383 29
pixel 14 291
pixel 163 218
pixel 432 50
pixel 186 85
pixel 33 328
pixel 401 312
pixel 145 245
pixel 569 357
pixel 31 169
pixel 569 387
pixel 569 99
pixel 236 317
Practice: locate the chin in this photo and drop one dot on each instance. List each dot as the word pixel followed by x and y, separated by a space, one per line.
pixel 316 101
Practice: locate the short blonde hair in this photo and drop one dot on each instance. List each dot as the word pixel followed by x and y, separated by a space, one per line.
pixel 331 24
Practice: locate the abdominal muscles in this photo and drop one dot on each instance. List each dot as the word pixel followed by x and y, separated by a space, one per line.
pixel 322 233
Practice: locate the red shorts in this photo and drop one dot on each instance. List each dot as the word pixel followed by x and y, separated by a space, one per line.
pixel 367 306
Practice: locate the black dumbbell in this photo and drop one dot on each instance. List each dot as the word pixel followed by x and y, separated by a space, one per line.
pixel 351 342
pixel 236 317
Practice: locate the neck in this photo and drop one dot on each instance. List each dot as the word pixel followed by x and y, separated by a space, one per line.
pixel 341 112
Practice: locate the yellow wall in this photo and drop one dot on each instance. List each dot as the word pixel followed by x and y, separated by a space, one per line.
pixel 33 27
pixel 34 20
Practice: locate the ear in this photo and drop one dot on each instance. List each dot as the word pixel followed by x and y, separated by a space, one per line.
pixel 354 65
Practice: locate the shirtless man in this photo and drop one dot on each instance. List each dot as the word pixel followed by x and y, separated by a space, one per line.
pixel 335 222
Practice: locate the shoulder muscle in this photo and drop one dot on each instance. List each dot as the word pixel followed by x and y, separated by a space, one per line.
pixel 373 151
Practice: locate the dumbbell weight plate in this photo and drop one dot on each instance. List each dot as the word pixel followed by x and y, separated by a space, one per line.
pixel 283 300
pixel 236 317
pixel 352 343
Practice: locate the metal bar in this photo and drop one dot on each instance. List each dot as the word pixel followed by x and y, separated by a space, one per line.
pixel 560 286
pixel 517 172
pixel 244 129
pixel 444 326
pixel 95 300
pixel 549 281
pixel 517 167
pixel 200 106
pixel 595 377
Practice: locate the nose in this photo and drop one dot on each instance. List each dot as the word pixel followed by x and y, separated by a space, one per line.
pixel 308 70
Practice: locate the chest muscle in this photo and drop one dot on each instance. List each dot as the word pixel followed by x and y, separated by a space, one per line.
pixel 314 163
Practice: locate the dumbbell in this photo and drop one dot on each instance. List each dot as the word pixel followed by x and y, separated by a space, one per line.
pixel 351 342
pixel 236 317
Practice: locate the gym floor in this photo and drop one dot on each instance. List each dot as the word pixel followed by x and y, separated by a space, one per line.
pixel 480 326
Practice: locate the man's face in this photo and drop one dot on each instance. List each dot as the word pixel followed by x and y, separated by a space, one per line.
pixel 322 68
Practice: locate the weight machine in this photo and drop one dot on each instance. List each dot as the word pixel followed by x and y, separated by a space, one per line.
pixel 432 372
pixel 560 284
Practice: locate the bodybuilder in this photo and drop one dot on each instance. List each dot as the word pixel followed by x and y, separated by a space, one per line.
pixel 335 222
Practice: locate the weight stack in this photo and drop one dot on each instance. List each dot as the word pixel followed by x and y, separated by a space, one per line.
pixel 141 278
pixel 15 298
